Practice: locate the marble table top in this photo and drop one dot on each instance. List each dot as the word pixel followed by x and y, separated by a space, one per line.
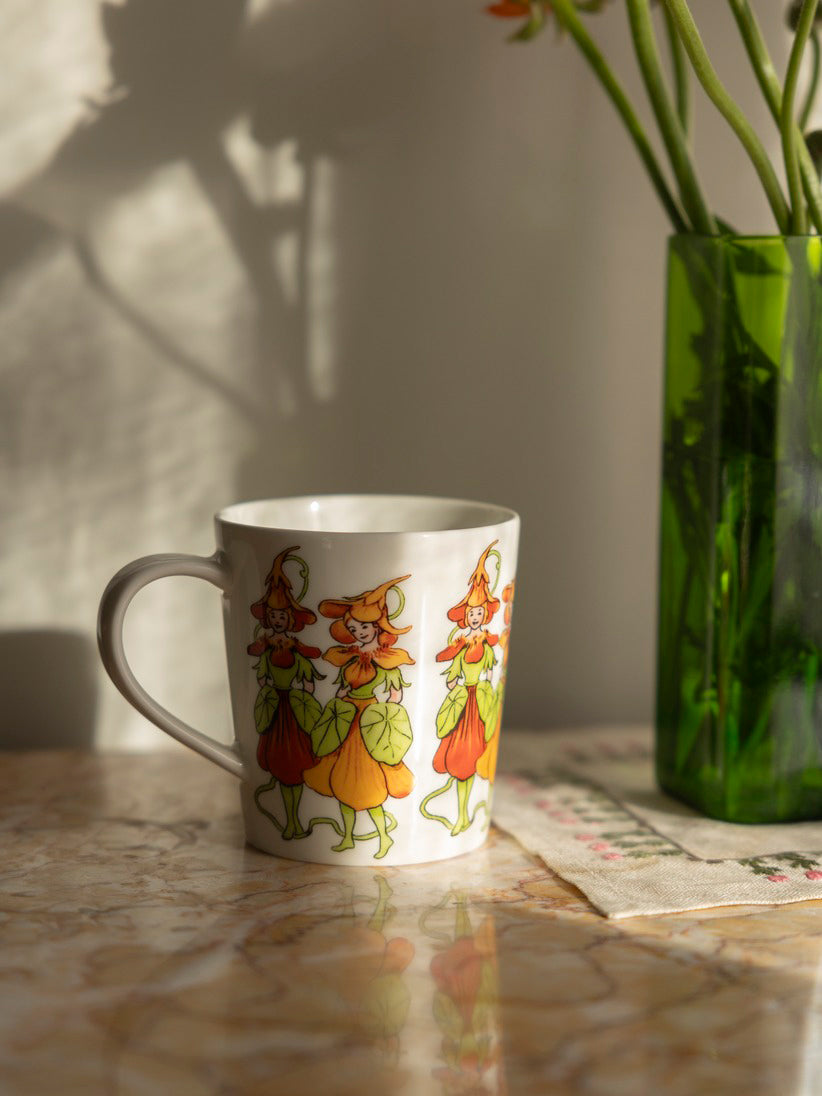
pixel 146 949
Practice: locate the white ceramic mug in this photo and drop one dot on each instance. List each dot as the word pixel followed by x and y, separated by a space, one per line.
pixel 367 642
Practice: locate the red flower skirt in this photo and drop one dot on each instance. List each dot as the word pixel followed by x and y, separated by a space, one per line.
pixel 459 751
pixel 284 750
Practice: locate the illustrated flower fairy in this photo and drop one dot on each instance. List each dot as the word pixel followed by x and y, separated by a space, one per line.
pixel 466 720
pixel 364 732
pixel 487 764
pixel 285 711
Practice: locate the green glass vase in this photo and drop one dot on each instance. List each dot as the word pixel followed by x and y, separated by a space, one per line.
pixel 739 700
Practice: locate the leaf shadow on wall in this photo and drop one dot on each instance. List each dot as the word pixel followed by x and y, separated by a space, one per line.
pixel 265 105
pixel 175 86
pixel 329 155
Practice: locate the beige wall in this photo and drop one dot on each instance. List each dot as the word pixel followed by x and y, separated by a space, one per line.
pixel 328 245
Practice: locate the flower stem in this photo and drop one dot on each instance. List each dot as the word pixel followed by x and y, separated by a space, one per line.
pixel 813 84
pixel 718 94
pixel 642 32
pixel 788 127
pixel 760 58
pixel 566 14
pixel 765 73
pixel 682 83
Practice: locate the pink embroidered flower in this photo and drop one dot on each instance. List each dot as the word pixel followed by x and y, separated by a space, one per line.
pixel 612 856
pixel 778 878
pixel 814 874
pixel 588 837
pixel 599 846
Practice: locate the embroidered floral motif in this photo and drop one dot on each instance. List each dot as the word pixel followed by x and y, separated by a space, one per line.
pixel 773 867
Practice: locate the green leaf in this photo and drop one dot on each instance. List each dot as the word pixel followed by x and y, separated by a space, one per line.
pixel 262 667
pixel 487 703
pixel 530 29
pixel 724 227
pixel 384 1005
pixel 265 708
pixel 450 710
pixel 491 725
pixel 306 709
pixel 386 732
pixel 331 728
pixel 749 261
pixel 499 698
pixel 447 1016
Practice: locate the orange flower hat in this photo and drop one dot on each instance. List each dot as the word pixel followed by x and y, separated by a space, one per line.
pixel 370 607
pixel 479 593
pixel 279 595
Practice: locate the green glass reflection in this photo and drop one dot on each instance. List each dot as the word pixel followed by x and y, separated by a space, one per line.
pixel 739 703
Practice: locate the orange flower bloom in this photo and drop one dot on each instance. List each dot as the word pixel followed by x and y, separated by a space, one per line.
pixel 279 595
pixel 510 9
pixel 479 593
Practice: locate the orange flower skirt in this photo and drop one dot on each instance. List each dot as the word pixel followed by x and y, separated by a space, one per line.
pixel 351 775
pixel 460 750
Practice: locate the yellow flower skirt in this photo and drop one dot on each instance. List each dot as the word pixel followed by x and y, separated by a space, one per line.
pixel 351 775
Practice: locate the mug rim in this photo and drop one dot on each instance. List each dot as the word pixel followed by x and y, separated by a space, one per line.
pixel 488 514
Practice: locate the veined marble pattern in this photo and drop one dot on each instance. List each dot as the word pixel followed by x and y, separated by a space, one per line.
pixel 146 950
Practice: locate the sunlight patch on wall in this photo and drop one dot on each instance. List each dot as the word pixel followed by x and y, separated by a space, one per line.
pixel 53 56
pixel 321 306
pixel 286 258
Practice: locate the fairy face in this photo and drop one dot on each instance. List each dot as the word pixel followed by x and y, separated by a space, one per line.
pixel 475 617
pixel 363 631
pixel 278 620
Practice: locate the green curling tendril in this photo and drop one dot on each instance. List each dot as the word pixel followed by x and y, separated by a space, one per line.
pixel 481 806
pixel 433 795
pixel 304 572
pixel 494 552
pixel 400 606
pixel 390 825
pixel 267 788
pixel 422 921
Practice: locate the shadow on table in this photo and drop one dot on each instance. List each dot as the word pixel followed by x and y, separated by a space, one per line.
pixel 48 685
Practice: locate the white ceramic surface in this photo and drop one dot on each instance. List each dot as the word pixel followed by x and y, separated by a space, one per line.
pixel 342 550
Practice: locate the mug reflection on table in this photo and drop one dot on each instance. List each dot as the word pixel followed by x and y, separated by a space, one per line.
pixel 466 1000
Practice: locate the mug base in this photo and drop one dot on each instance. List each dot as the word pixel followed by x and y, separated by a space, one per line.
pixel 413 841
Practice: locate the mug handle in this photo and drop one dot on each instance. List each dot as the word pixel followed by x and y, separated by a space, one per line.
pixel 116 599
